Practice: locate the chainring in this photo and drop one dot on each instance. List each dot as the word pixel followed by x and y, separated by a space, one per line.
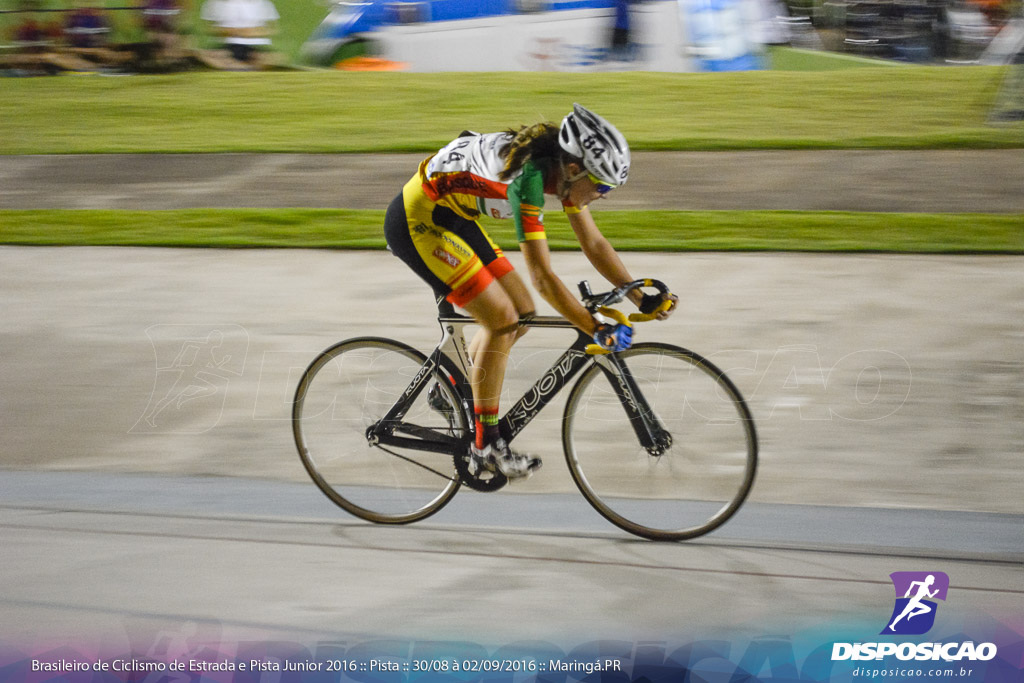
pixel 485 480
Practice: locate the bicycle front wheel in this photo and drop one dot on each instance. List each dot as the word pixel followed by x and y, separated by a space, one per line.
pixel 708 452
pixel 345 391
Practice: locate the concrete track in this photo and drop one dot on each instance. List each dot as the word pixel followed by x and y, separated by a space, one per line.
pixel 271 560
pixel 839 180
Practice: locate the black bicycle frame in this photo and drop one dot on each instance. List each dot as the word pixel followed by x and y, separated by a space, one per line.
pixel 565 368
pixel 383 432
pixel 545 389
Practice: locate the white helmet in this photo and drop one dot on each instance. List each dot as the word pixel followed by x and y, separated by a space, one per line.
pixel 602 147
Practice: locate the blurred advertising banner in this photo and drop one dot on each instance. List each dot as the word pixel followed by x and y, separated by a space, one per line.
pixel 719 33
pixel 582 35
pixel 566 40
pixel 566 36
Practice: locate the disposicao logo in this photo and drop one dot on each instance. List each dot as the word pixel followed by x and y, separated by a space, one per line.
pixel 913 615
pixel 916 593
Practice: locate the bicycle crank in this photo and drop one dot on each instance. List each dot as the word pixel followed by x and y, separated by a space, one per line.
pixel 478 478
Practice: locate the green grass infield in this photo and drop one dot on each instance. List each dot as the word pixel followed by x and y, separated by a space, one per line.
pixel 331 111
pixel 627 230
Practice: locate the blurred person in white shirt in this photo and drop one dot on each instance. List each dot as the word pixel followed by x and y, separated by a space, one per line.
pixel 245 28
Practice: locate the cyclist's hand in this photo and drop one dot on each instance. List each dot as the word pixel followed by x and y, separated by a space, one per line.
pixel 614 337
pixel 652 302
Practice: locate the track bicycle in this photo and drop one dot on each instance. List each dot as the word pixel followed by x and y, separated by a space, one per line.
pixel 657 439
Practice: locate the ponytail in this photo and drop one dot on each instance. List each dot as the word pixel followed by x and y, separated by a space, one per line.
pixel 539 141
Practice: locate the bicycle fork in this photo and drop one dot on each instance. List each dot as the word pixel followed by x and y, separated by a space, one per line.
pixel 654 438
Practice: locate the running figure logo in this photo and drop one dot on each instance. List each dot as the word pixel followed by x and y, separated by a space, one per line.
pixel 195 364
pixel 914 612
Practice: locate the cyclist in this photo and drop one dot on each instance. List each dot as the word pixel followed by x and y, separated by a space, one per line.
pixel 432 226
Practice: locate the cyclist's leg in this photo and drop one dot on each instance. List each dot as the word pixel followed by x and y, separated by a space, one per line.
pixel 499 324
pixel 498 316
pixel 430 240
pixel 495 261
pixel 490 305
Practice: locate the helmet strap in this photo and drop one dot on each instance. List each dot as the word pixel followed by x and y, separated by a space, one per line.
pixel 566 180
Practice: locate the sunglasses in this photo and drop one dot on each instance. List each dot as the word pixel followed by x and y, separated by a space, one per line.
pixel 601 186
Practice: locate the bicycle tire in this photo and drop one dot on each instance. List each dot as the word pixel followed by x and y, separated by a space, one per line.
pixel 333 410
pixel 703 477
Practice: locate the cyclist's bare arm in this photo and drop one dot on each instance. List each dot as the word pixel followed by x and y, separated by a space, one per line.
pixel 551 288
pixel 599 251
pixel 602 255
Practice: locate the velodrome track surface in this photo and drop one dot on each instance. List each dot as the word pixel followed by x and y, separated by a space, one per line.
pixel 985 181
pixel 887 391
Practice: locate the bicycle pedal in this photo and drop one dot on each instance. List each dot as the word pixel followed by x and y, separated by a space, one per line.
pixel 474 464
pixel 481 461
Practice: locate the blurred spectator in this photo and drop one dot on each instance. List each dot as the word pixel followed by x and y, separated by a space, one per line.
pixel 996 11
pixel 245 27
pixel 86 28
pixel 87 36
pixel 970 30
pixel 34 47
pixel 621 45
pixel 769 23
pixel 165 47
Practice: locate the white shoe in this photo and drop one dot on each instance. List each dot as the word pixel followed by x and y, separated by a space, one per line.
pixel 497 455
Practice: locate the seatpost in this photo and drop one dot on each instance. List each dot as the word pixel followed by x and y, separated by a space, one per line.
pixel 444 308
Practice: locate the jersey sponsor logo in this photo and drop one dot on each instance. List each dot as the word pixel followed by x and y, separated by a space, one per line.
pixel 443 255
pixel 467 183
pixel 460 249
pixel 494 207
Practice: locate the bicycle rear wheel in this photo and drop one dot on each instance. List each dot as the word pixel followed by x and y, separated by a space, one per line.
pixel 704 474
pixel 349 388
